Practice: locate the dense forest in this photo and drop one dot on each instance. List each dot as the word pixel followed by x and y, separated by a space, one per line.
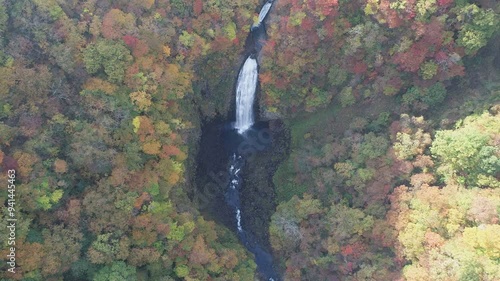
pixel 392 108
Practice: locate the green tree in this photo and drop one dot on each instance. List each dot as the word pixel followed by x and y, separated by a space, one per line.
pixel 372 146
pixel 117 271
pixel 181 270
pixel 112 57
pixel 435 94
pixel 432 96
pixel 318 98
pixel 284 228
pixel 82 269
pixel 345 222
pixel 468 154
pixel 106 248
pixel 428 69
pixel 337 75
pixel 3 20
pixel 478 27
pixel 346 97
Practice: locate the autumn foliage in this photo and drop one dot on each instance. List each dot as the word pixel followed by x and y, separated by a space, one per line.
pixel 101 108
pixel 370 42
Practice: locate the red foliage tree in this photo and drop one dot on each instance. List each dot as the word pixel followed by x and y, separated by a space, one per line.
pixel 433 34
pixel 391 16
pixel 359 67
pixel 130 40
pixel 116 23
pixel 412 58
pixel 456 70
pixel 170 150
pixel 197 7
pixel 140 49
pixel 265 78
pixel 444 3
pixel 307 24
pixel 327 7
pixel 9 163
pixel 354 250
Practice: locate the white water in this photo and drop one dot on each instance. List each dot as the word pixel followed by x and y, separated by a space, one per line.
pixel 238 220
pixel 263 12
pixel 245 94
pixel 234 170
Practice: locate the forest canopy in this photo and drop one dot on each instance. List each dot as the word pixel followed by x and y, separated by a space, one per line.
pixel 391 106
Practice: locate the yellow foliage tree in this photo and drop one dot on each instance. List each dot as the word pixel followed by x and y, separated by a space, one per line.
pixel 137 123
pixel 152 147
pixel 484 239
pixel 166 50
pixel 96 84
pixel 141 99
pixel 25 162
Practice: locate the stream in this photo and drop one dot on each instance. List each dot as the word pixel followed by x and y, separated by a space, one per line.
pixel 246 87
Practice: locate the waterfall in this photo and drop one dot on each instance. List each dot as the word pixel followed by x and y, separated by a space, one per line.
pixel 246 86
pixel 263 12
pixel 245 93
pixel 238 220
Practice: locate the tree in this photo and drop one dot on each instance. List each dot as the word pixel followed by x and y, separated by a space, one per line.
pixel 141 99
pixel 347 222
pixel 117 271
pixel 6 81
pixel 60 166
pixel 422 98
pixel 96 84
pixel 3 19
pixel 434 95
pixel 428 70
pixel 484 239
pixel 143 256
pixel 411 140
pixel 478 26
pixel 116 23
pixel 346 97
pixel 468 154
pixel 181 270
pixel 372 146
pixel 200 253
pixel 284 229
pixel 61 247
pixel 89 151
pixel 411 59
pixel 112 57
pixel 431 225
pixel 108 247
pixel 197 7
